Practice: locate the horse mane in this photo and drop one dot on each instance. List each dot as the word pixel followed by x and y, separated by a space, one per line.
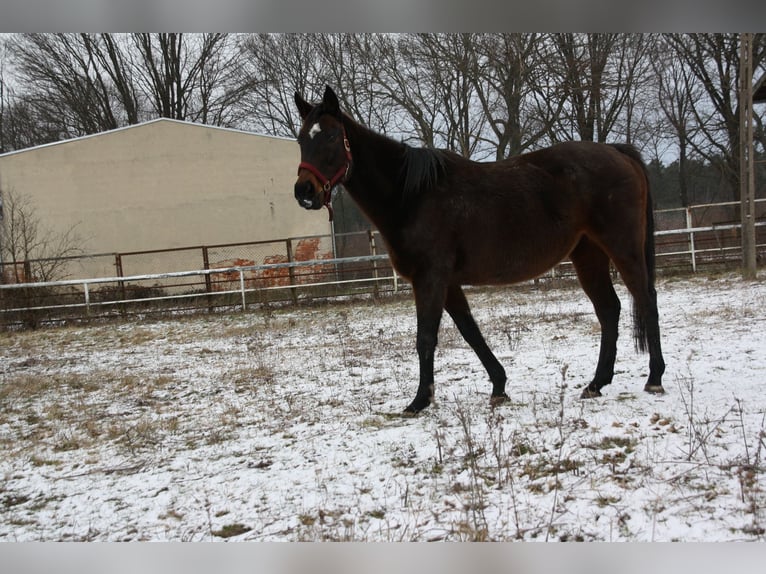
pixel 421 170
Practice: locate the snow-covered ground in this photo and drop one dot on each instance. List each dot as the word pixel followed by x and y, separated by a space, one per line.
pixel 283 424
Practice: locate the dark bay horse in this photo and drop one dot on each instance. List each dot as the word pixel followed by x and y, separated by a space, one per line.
pixel 449 221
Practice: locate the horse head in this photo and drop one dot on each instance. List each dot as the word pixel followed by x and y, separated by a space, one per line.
pixel 325 152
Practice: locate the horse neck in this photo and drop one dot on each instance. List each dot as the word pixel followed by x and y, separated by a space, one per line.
pixel 374 182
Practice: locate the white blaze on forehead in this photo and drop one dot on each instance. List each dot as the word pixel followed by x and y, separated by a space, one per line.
pixel 315 129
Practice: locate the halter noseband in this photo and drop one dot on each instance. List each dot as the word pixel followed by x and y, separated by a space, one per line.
pixel 329 183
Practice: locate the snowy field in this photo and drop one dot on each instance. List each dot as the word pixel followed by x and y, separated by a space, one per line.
pixel 283 424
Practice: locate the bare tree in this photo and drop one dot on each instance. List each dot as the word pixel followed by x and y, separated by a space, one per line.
pixel 401 82
pixel 22 123
pixel 30 250
pixel 429 80
pixel 598 75
pixel 677 90
pixel 450 65
pixel 481 95
pixel 712 60
pixel 361 67
pixel 508 73
pixel 353 63
pixel 108 53
pixel 188 76
pixel 65 84
pixel 86 83
pixel 5 100
pixel 275 66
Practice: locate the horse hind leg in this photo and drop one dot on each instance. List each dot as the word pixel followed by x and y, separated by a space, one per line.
pixel 636 277
pixel 457 307
pixel 592 267
pixel 646 324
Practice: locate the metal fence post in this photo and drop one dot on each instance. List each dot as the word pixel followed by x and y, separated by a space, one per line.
pixel 208 278
pixel 291 270
pixel 121 284
pixel 206 265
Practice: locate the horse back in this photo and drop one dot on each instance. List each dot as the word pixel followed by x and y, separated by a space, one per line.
pixel 519 217
pixel 592 167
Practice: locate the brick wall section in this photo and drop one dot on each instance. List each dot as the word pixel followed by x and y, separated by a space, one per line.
pixel 304 250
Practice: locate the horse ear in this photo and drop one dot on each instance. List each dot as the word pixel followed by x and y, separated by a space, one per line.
pixel 330 102
pixel 304 108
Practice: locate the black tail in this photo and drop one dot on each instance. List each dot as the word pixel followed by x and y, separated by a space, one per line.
pixel 639 315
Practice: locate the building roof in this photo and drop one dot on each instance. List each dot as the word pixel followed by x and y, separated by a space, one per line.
pixel 140 125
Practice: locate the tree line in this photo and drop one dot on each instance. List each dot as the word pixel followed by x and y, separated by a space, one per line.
pixel 485 96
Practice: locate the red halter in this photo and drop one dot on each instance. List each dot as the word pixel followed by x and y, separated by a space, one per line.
pixel 329 183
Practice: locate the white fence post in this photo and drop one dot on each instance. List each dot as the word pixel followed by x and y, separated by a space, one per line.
pixel 689 227
pixel 242 288
pixel 87 298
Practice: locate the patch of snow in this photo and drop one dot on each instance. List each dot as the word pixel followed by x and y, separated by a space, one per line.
pixel 284 424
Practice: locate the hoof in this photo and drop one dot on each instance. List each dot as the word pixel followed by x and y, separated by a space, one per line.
pixel 497 400
pixel 588 393
pixel 414 408
pixel 654 389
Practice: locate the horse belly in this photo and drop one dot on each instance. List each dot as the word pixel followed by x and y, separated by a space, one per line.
pixel 515 258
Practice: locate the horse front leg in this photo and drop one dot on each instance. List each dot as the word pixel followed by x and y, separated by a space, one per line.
pixel 429 303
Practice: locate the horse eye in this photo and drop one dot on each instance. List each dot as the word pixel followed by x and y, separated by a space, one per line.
pixel 333 138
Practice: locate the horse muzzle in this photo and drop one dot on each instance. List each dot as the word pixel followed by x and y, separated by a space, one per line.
pixel 307 196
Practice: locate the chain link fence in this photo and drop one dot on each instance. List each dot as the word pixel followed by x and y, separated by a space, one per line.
pixel 197 278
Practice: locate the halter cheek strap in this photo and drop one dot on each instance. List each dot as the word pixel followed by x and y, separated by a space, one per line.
pixel 328 183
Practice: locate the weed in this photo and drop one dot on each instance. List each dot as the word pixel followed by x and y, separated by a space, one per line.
pixel 231 530
pixel 604 500
pixel 699 430
pixel 67 442
pixel 11 500
pixel 307 519
pixel 628 444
